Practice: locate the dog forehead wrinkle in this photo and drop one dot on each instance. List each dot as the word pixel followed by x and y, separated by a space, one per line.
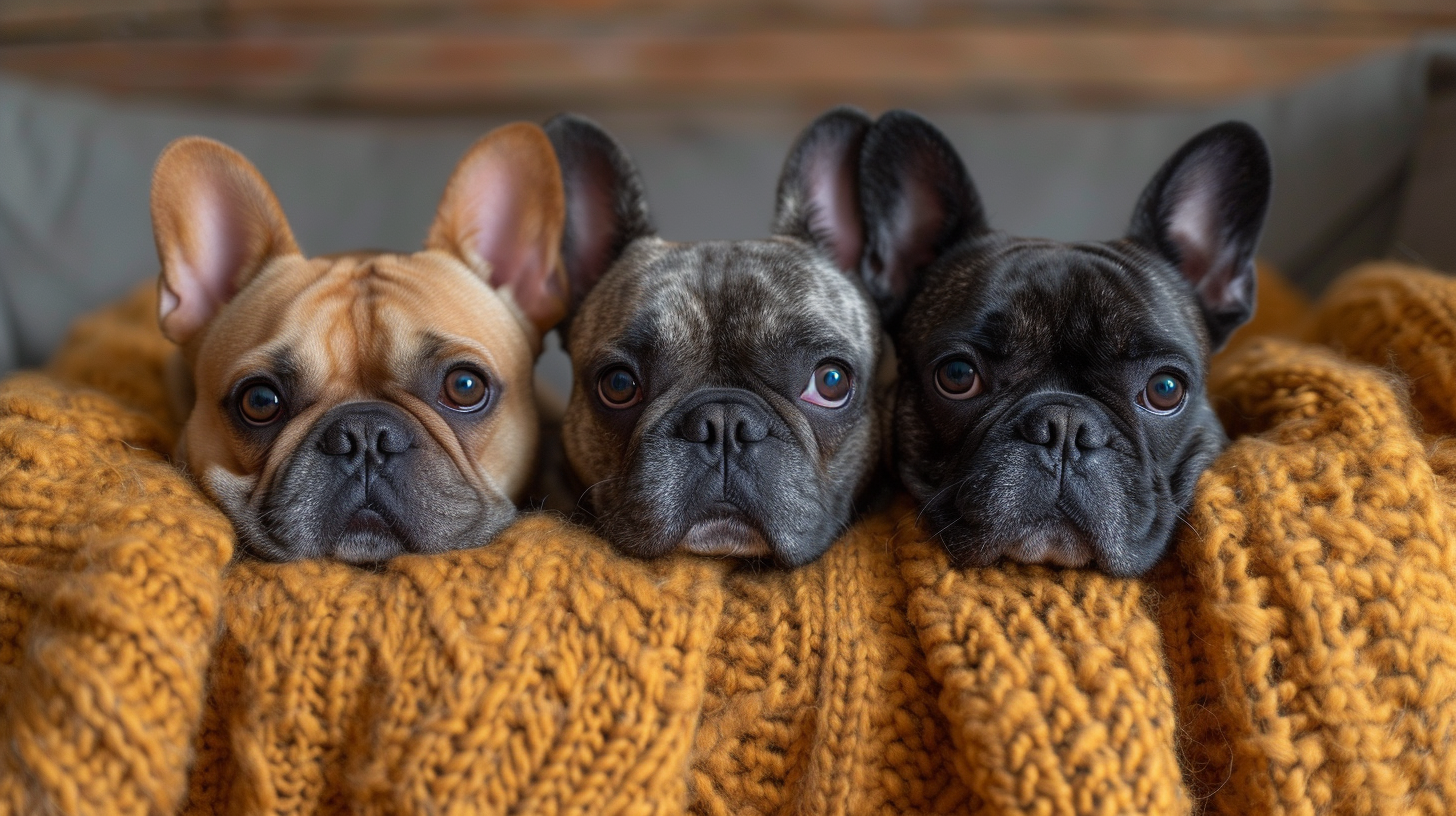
pixel 371 332
pixel 749 296
pixel 1079 302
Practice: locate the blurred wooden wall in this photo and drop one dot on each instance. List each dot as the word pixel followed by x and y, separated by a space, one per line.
pixel 405 56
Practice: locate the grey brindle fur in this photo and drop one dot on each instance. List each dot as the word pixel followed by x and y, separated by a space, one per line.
pixel 1055 460
pixel 721 456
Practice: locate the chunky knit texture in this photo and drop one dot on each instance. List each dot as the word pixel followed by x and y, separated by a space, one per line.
pixel 1402 318
pixel 1310 614
pixel 109 589
pixel 1296 654
pixel 537 675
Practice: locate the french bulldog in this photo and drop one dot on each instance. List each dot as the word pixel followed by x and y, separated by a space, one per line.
pixel 367 404
pixel 1051 404
pixel 724 398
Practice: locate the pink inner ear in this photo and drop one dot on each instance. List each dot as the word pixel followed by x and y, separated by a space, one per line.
pixel 200 274
pixel 496 222
pixel 1208 262
pixel 834 208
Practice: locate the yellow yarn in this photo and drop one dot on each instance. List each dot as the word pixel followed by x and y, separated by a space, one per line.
pixel 1310 614
pixel 109 596
pixel 1297 655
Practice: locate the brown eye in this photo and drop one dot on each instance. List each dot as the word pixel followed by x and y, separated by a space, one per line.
pixel 957 379
pixel 828 386
pixel 1163 394
pixel 260 404
pixel 464 390
pixel 618 388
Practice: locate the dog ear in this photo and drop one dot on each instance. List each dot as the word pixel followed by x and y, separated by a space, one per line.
pixel 606 208
pixel 502 214
pixel 918 201
pixel 1204 211
pixel 216 223
pixel 818 192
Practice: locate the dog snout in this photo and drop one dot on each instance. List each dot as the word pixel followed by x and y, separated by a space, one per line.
pixel 1070 430
pixel 367 432
pixel 725 426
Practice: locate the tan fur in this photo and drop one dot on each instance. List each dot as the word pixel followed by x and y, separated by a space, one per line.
pixel 358 326
pixel 353 347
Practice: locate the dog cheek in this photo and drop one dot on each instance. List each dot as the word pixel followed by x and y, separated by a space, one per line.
pixel 593 452
pixel 501 453
pixel 645 504
pixel 1204 442
pixel 922 472
pixel 450 511
pixel 852 466
pixel 234 494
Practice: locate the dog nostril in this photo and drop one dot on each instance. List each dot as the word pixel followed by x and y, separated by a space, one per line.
pixel 1091 437
pixel 337 441
pixel 703 426
pixel 389 441
pixel 749 429
pixel 698 429
pixel 750 432
pixel 367 434
pixel 1039 430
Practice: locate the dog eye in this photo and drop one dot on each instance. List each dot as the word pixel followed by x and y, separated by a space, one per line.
pixel 1163 394
pixel 464 390
pixel 260 404
pixel 957 379
pixel 618 388
pixel 828 386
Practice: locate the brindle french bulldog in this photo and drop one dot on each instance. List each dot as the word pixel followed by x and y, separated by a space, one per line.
pixel 724 400
pixel 1051 404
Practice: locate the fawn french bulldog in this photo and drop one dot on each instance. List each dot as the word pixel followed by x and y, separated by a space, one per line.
pixel 367 404
pixel 1051 404
pixel 724 397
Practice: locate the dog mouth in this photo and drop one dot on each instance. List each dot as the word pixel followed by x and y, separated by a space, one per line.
pixel 728 535
pixel 368 536
pixel 1062 545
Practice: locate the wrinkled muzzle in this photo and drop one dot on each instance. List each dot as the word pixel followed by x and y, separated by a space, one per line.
pixel 368 483
pixel 1056 481
pixel 721 474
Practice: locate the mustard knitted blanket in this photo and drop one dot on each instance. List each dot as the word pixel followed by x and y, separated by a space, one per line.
pixel 1296 655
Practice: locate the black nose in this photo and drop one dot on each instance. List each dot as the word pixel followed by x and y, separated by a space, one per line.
pixel 367 432
pixel 1066 429
pixel 725 427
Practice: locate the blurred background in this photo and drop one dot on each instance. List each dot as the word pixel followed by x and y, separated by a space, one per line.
pixel 357 109
pixel 520 56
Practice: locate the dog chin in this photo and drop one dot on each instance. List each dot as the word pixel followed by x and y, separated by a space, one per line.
pixel 1053 543
pixel 367 538
pixel 725 537
pixel 1059 545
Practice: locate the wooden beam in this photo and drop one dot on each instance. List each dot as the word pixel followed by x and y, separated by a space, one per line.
pixel 34 21
pixel 1026 65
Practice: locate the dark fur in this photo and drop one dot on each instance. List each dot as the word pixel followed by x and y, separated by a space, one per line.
pixel 723 337
pixel 1054 461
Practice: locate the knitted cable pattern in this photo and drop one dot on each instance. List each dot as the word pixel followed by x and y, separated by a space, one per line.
pixel 1310 613
pixel 541 674
pixel 109 591
pixel 1294 655
pixel 1402 318
pixel 819 700
pixel 1054 681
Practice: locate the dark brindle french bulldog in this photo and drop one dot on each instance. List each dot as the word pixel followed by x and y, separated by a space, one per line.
pixel 1051 405
pixel 723 401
